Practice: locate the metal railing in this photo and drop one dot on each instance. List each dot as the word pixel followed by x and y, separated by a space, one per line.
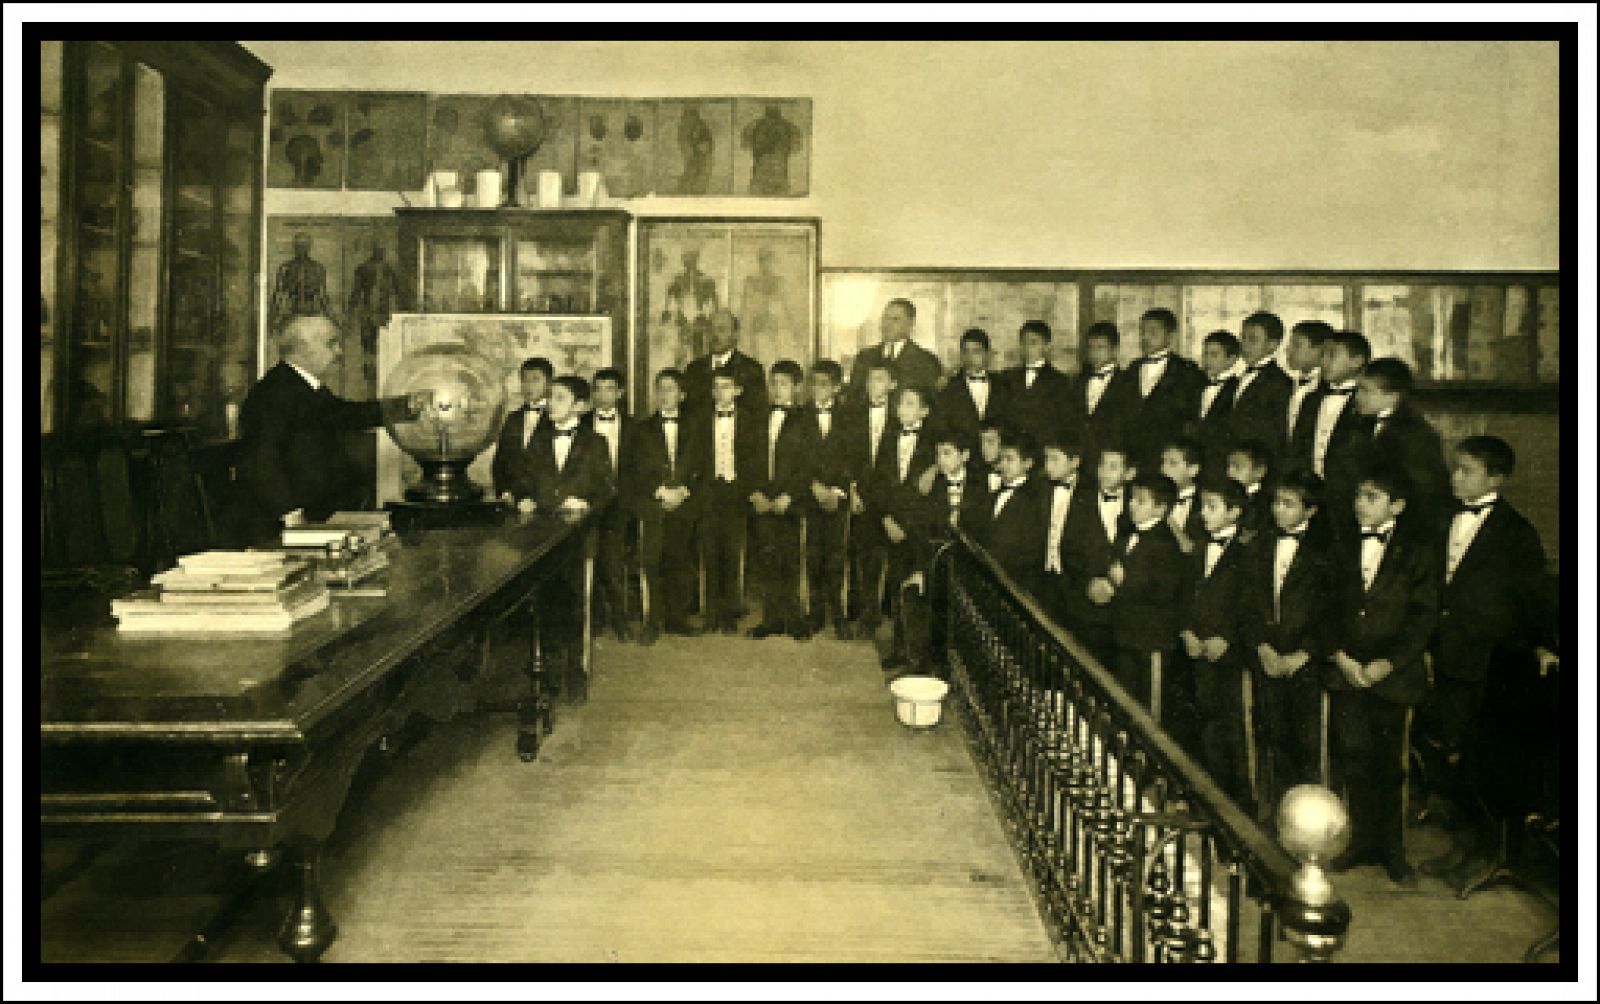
pixel 1135 853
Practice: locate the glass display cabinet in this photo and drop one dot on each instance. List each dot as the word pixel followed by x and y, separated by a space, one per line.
pixel 519 261
pixel 151 222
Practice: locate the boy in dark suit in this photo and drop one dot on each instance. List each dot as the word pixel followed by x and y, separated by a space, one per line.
pixel 827 515
pixel 1285 601
pixel 894 497
pixel 1181 461
pixel 1162 387
pixel 1385 593
pixel 535 377
pixel 991 432
pixel 1092 533
pixel 1036 393
pixel 954 501
pixel 1261 397
pixel 617 428
pixel 1099 399
pixel 731 442
pixel 1211 630
pixel 778 500
pixel 571 468
pixel 870 428
pixel 1249 464
pixel 1012 530
pixel 1304 358
pixel 1400 437
pixel 1491 616
pixel 970 397
pixel 1212 422
pixel 1142 587
pixel 1063 461
pixel 666 482
pixel 1330 438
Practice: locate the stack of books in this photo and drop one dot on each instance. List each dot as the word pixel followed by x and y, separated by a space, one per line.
pixel 224 593
pixel 347 548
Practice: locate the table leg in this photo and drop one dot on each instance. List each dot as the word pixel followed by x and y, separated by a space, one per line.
pixel 533 711
pixel 308 930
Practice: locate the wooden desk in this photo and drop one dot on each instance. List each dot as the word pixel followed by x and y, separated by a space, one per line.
pixel 254 743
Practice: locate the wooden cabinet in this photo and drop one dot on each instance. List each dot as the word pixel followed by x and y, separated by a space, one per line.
pixel 519 261
pixel 149 315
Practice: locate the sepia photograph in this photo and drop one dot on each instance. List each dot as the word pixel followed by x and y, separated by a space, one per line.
pixel 483 521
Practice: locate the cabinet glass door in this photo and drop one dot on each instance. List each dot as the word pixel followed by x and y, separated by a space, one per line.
pixel 144 225
pixel 91 355
pixel 555 276
pixel 460 275
pixel 197 139
pixel 50 56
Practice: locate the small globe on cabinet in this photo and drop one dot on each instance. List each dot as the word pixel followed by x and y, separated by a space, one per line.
pixel 461 420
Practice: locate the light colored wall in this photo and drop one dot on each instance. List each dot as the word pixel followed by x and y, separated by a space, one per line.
pixel 1057 154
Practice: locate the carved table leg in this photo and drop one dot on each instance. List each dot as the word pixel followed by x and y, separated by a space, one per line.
pixel 585 658
pixel 308 930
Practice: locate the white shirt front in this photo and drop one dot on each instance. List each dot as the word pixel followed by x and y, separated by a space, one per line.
pixel 1463 531
pixel 669 432
pixel 1282 558
pixel 307 375
pixel 611 428
pixel 719 361
pixel 994 482
pixel 1372 551
pixel 903 451
pixel 1133 538
pixel 1247 376
pixel 1328 416
pixel 891 350
pixel 1378 421
pixel 1215 547
pixel 877 417
pixel 1031 372
pixel 724 467
pixel 1208 397
pixel 1004 495
pixel 979 389
pixel 774 430
pixel 1297 397
pixel 1150 372
pixel 825 420
pixel 1111 512
pixel 562 444
pixel 1099 380
pixel 1060 504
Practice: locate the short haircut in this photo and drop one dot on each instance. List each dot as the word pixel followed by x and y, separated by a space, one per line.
pixel 1496 454
pixel 788 368
pixel 1226 339
pixel 1303 482
pixel 1353 342
pixel 1315 332
pixel 1193 453
pixel 1062 442
pixel 541 364
pixel 954 436
pixel 576 384
pixel 1391 375
pixel 1022 441
pixel 830 369
pixel 993 424
pixel 1121 448
pixel 916 389
pixel 1039 328
pixel 1229 490
pixel 725 372
pixel 609 373
pixel 1255 449
pixel 1104 329
pixel 976 336
pixel 1162 490
pixel 675 375
pixel 911 308
pixel 880 363
pixel 1390 479
pixel 1268 322
pixel 1165 317
pixel 296 331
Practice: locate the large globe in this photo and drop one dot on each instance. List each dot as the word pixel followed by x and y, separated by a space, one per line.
pixel 458 423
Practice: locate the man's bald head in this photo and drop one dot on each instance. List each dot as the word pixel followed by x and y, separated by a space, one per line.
pixel 310 342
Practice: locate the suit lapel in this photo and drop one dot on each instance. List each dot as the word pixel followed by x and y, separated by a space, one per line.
pixel 1483 542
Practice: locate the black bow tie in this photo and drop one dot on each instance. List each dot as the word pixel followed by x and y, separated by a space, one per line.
pixel 980 378
pixel 1291 534
pixel 954 486
pixel 724 414
pixel 566 432
pixel 1068 485
pixel 781 407
pixel 1152 360
pixel 1104 374
pixel 669 419
pixel 1305 381
pixel 1476 509
pixel 828 410
pixel 1034 366
pixel 605 418
pixel 876 407
pixel 1341 391
pixel 1258 367
pixel 1220 539
pixel 1382 536
pixel 1217 381
pixel 1111 496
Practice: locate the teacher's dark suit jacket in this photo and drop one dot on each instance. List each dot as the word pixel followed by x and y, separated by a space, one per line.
pixel 748 373
pixel 290 454
pixel 914 365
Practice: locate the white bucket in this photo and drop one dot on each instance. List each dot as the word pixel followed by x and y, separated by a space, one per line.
pixel 549 189
pixel 919 700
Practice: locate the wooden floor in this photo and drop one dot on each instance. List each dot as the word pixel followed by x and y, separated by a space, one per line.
pixel 716 800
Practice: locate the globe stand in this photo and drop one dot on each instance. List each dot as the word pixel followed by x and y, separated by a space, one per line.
pixel 444 482
pixel 445 497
